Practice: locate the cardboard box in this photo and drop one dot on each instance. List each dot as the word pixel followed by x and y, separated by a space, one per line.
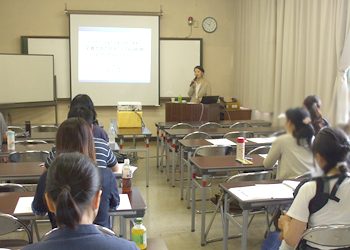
pixel 233 105
pixel 129 119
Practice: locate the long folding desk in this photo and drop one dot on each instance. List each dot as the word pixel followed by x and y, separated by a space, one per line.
pixel 20 147
pixel 173 135
pixel 161 126
pixel 45 136
pixel 20 171
pixel 8 202
pixel 190 145
pixel 123 133
pixel 210 165
pixel 246 206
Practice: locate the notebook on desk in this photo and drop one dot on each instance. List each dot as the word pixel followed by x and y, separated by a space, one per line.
pixel 210 99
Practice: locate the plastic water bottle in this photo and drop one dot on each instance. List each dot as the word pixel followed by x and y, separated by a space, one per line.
pixel 240 150
pixel 139 234
pixel 126 177
pixel 111 134
pixel 180 99
pixel 10 140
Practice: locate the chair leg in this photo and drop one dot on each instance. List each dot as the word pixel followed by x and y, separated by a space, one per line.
pixel 213 217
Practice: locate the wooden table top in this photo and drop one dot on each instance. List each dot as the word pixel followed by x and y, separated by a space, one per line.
pixel 210 164
pixel 20 171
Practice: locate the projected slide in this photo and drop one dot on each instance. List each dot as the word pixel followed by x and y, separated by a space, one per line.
pixel 112 54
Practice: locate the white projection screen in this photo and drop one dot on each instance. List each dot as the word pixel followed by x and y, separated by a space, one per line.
pixel 115 58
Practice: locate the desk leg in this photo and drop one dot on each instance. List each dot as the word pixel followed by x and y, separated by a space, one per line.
pixel 244 230
pixel 157 147
pixel 121 143
pixel 123 227
pixel 181 172
pixel 193 211
pixel 173 160
pixel 189 180
pixel 161 152
pixel 167 158
pixel 204 196
pixel 225 222
pixel 147 162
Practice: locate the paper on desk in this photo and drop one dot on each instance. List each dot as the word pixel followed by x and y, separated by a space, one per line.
pixel 221 142
pixel 292 184
pixel 24 205
pixel 263 155
pixel 124 202
pixel 262 139
pixel 262 192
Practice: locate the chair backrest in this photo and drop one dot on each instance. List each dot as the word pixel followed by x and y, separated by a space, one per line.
pixel 181 125
pixel 44 128
pixel 29 156
pixel 241 125
pixel 278 133
pixel 213 150
pixel 105 230
pixel 17 130
pixel 197 135
pixel 260 150
pixel 30 142
pixel 253 176
pixel 236 134
pixel 12 187
pixel 331 236
pixel 47 234
pixel 10 224
pixel 210 125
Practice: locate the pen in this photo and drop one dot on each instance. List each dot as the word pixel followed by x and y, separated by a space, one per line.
pixel 249 158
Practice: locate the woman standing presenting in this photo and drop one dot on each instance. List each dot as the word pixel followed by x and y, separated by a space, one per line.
pixel 199 86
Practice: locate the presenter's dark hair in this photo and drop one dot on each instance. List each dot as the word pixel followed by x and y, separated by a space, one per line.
pixel 200 68
pixel 334 146
pixel 313 105
pixel 83 112
pixel 72 182
pixel 84 100
pixel 302 123
pixel 74 135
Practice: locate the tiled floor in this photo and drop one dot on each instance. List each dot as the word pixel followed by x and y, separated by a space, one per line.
pixel 167 216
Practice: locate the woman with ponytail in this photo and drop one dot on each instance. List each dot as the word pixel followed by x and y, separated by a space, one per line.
pixel 293 150
pixel 73 193
pixel 313 104
pixel 74 135
pixel 331 149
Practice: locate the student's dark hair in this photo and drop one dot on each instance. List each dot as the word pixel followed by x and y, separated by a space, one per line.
pixel 334 146
pixel 84 100
pixel 83 112
pixel 200 68
pixel 313 105
pixel 74 135
pixel 73 181
pixel 302 123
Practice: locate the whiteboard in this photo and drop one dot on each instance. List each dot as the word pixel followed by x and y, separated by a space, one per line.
pixel 26 78
pixel 178 57
pixel 59 47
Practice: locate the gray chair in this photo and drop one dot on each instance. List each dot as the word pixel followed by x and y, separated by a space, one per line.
pixel 260 150
pixel 278 133
pixel 235 211
pixel 236 134
pixel 30 142
pixel 197 135
pixel 241 125
pixel 12 187
pixel 337 236
pixel 181 125
pixel 210 125
pixel 18 130
pixel 11 225
pixel 29 156
pixel 44 128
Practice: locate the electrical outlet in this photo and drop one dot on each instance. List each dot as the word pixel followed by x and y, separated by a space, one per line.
pixel 195 24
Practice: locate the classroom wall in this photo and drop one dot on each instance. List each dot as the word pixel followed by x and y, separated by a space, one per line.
pixel 47 18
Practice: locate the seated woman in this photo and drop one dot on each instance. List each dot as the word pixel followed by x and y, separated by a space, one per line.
pixel 313 104
pixel 74 135
pixel 331 149
pixel 293 150
pixel 85 100
pixel 75 201
pixel 199 86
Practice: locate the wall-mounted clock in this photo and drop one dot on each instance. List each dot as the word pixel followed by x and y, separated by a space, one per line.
pixel 209 24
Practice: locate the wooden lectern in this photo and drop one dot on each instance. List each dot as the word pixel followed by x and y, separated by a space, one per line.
pixel 185 112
